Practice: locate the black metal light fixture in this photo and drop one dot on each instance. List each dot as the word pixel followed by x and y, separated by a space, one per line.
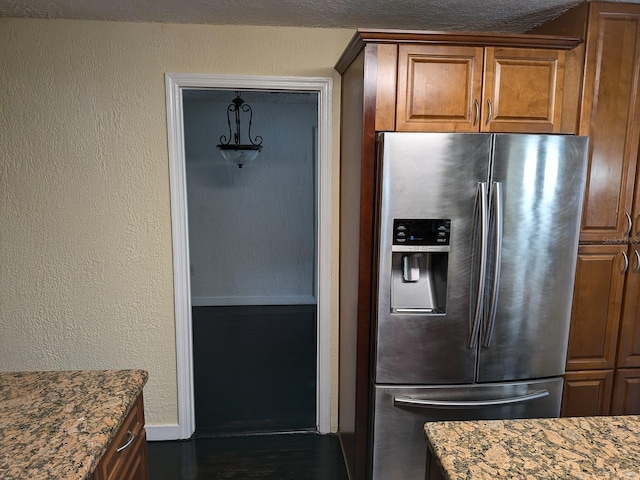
pixel 236 152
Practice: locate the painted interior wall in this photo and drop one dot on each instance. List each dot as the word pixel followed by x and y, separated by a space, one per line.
pixel 85 239
pixel 252 229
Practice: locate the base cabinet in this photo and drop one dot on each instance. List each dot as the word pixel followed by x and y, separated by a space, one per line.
pixel 587 393
pixel 126 457
pixel 626 394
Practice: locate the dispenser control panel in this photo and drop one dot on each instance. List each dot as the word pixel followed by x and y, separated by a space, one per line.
pixel 421 232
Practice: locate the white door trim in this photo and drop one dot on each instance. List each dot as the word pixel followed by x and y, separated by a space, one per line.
pixel 175 83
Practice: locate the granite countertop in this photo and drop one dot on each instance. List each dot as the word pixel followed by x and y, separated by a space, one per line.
pixel 588 448
pixel 57 425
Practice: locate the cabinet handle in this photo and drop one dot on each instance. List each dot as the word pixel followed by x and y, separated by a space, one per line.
pixel 476 117
pixel 132 437
pixel 626 262
pixel 629 223
pixel 637 269
pixel 490 112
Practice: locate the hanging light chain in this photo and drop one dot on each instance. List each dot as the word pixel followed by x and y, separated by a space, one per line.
pixel 235 107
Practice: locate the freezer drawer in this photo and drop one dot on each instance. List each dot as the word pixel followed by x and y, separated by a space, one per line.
pixel 399 448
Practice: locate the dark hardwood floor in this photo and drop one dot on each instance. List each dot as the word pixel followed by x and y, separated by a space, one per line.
pixel 290 456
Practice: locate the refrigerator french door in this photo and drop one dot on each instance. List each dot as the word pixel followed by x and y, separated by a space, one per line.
pixel 478 237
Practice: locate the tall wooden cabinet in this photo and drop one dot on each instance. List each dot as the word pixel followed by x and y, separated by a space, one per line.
pixel 413 81
pixel 604 347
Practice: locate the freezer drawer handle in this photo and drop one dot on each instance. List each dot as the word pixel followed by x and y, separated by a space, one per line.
pixel 425 403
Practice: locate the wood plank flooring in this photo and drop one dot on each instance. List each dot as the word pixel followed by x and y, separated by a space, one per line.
pixel 254 369
pixel 291 456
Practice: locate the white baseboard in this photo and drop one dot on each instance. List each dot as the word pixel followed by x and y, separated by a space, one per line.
pixel 157 433
pixel 236 301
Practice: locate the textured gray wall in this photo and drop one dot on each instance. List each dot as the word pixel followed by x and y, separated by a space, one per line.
pixel 252 230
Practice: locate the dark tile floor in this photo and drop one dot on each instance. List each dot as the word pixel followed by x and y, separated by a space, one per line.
pixel 292 456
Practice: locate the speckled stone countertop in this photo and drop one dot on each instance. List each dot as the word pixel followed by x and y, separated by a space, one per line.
pixel 588 448
pixel 57 425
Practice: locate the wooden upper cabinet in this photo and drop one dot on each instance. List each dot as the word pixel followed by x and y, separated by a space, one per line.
pixel 596 308
pixel 439 88
pixel 476 89
pixel 611 117
pixel 522 90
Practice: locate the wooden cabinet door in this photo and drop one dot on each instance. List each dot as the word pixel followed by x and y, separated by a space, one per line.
pixel 439 88
pixel 626 392
pixel 126 457
pixel 522 90
pixel 610 115
pixel 137 467
pixel 587 393
pixel 597 300
pixel 629 338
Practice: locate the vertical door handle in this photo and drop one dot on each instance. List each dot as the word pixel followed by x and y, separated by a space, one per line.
pixel 476 116
pixel 626 262
pixel 496 208
pixel 637 269
pixel 490 112
pixel 480 220
pixel 629 224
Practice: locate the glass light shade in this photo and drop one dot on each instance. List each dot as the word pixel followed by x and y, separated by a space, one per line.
pixel 240 154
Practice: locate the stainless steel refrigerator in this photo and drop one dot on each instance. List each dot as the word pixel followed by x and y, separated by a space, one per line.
pixel 477 243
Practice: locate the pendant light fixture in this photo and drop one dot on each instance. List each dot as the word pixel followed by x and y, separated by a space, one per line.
pixel 235 151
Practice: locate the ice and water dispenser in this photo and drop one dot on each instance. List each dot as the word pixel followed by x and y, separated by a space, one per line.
pixel 419 265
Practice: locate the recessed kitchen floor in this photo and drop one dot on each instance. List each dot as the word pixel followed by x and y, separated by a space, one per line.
pixel 291 456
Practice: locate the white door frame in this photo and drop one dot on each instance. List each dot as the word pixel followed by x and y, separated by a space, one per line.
pixel 175 83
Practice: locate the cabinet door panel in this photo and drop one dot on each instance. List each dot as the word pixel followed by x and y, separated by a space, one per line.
pixel 626 392
pixel 522 90
pixel 611 117
pixel 438 87
pixel 137 467
pixel 596 307
pixel 587 393
pixel 129 463
pixel 629 340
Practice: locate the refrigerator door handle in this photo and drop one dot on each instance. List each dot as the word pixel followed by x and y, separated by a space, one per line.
pixel 498 212
pixel 481 220
pixel 444 404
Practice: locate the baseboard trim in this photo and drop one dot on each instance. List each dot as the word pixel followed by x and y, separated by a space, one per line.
pixel 157 433
pixel 235 301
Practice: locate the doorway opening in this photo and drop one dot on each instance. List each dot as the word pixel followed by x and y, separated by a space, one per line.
pixel 252 246
pixel 235 309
